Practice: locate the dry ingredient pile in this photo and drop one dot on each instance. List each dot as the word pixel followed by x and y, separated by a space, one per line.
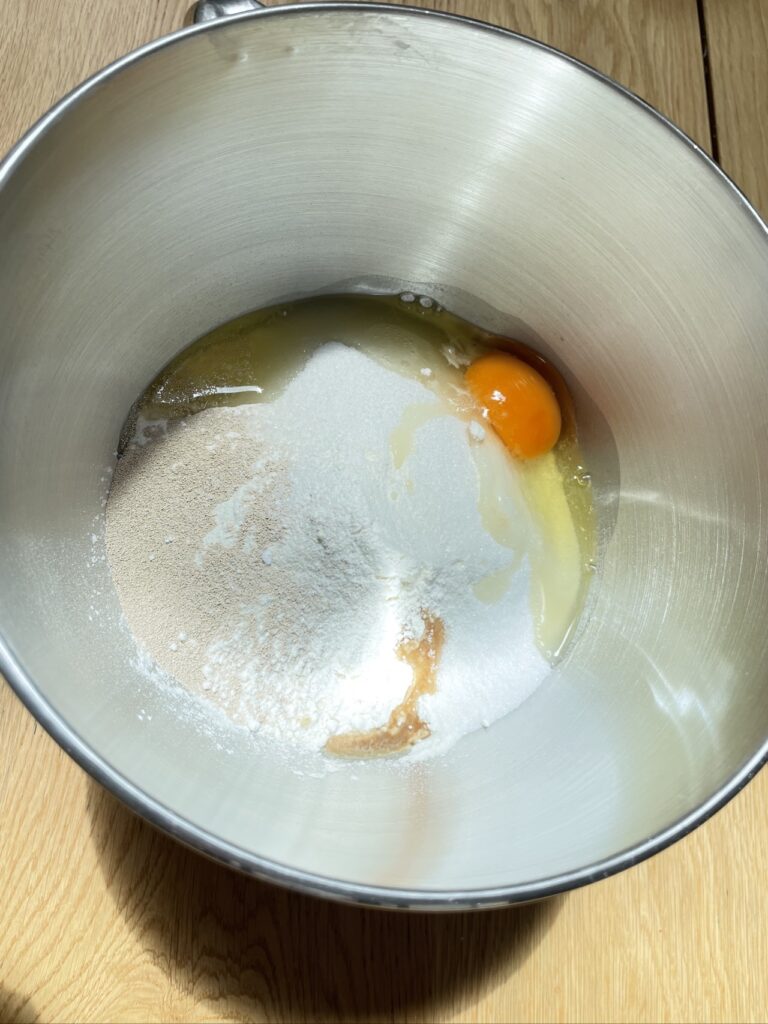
pixel 320 566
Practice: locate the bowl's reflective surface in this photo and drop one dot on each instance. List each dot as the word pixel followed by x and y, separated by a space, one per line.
pixel 307 150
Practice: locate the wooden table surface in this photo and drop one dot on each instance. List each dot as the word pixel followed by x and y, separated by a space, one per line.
pixel 103 919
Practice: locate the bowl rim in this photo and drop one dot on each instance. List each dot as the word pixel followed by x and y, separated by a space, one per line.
pixel 206 842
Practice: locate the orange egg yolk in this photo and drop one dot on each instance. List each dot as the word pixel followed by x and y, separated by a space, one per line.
pixel 518 402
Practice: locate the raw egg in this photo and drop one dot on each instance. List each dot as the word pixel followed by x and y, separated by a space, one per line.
pixel 518 403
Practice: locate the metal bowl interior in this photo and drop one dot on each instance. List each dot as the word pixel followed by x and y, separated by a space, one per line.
pixel 306 150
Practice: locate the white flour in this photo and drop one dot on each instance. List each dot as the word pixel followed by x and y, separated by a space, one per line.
pixel 270 557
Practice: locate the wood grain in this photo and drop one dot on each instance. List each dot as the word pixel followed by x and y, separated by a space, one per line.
pixel 104 919
pixel 737 33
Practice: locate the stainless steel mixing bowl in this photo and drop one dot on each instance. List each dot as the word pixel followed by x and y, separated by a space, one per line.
pixel 321 148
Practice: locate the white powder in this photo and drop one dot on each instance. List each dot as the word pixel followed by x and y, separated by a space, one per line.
pixel 271 557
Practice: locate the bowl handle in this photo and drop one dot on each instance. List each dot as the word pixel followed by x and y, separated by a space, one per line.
pixel 211 10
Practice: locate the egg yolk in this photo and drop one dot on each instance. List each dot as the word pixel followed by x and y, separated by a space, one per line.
pixel 519 404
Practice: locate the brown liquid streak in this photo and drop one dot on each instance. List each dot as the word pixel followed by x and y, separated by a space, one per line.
pixel 404 727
